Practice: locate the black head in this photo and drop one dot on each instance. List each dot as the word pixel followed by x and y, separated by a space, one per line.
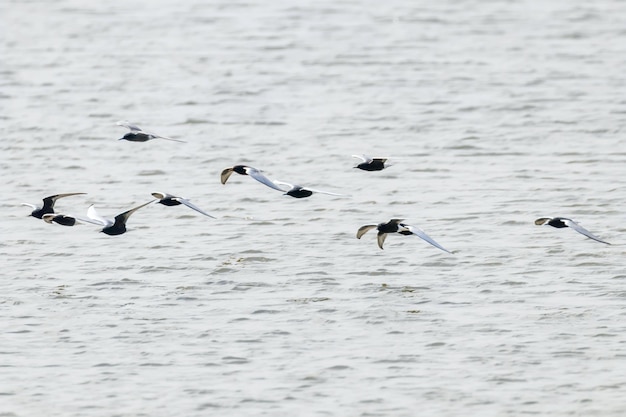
pixel 38 213
pixel 128 136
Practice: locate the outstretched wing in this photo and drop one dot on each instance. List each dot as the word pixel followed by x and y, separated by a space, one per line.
pixel 191 206
pixel 225 175
pixel 364 229
pixel 543 220
pixel 571 223
pixel 161 195
pixel 49 201
pixel 95 218
pixel 133 128
pixel 165 137
pixel 364 158
pixel 289 185
pixel 323 192
pixel 381 239
pixel 420 233
pixel 257 175
pixel 123 217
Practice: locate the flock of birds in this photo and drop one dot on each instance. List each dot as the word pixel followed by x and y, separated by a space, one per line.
pixel 117 225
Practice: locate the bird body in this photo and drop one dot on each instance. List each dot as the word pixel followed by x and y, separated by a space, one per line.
pixel 171 200
pixel 396 226
pixel 298 191
pixel 562 222
pixel 115 226
pixel 48 205
pixel 137 134
pixel 371 164
pixel 251 171
pixel 61 219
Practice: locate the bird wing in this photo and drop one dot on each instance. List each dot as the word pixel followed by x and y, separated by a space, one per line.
pixel 122 217
pixel 133 128
pixel 381 239
pixel 543 220
pixel 257 175
pixel 161 195
pixel 95 218
pixel 86 220
pixel 53 198
pixel 420 233
pixel 225 175
pixel 33 206
pixel 136 129
pixel 322 192
pixel 291 186
pixel 165 137
pixel 364 229
pixel 364 158
pixel 571 223
pixel 48 218
pixel 192 206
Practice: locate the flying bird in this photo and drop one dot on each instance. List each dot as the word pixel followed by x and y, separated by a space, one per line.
pixel 48 205
pixel 171 200
pixel 137 134
pixel 297 191
pixel 115 226
pixel 371 164
pixel 253 172
pixel 396 226
pixel 561 222
pixel 61 219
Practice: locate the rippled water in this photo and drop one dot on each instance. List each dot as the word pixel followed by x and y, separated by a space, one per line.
pixel 493 114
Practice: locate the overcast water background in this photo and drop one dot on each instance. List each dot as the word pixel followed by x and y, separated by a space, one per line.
pixel 493 113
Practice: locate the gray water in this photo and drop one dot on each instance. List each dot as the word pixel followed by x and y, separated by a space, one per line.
pixel 493 113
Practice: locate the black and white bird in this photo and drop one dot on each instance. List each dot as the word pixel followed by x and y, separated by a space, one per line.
pixel 396 226
pixel 562 222
pixel 298 191
pixel 48 205
pixel 115 226
pixel 371 164
pixel 248 170
pixel 61 219
pixel 171 200
pixel 137 134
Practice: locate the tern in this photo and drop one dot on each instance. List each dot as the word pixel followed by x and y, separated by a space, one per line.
pixel 112 227
pixel 371 164
pixel 396 226
pixel 298 191
pixel 48 205
pixel 171 200
pixel 561 222
pixel 61 219
pixel 247 170
pixel 137 134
